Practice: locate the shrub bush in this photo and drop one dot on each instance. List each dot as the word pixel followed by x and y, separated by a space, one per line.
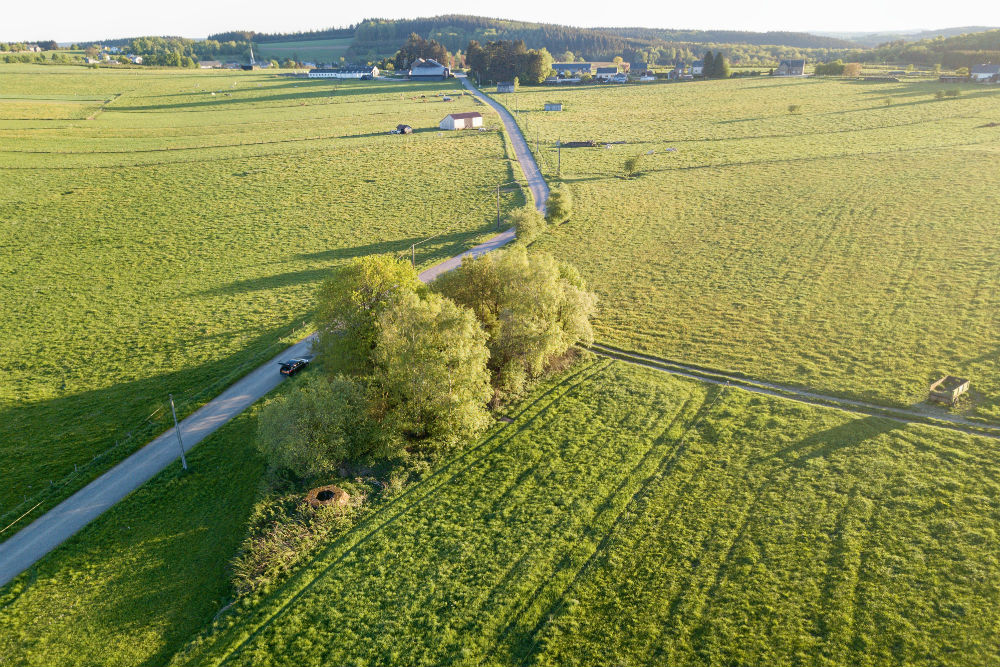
pixel 559 207
pixel 528 224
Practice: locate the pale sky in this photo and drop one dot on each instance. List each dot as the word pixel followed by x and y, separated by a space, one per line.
pixel 80 20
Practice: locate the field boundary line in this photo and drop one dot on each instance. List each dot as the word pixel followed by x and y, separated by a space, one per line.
pixel 900 414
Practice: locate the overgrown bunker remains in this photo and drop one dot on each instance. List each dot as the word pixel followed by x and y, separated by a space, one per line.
pixel 330 494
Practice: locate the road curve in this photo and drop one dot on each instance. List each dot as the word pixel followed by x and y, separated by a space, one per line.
pixel 64 520
pixel 536 182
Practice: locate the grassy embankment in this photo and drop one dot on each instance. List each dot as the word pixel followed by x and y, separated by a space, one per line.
pixel 848 247
pixel 156 237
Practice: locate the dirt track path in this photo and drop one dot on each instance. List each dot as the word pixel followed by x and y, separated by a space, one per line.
pixel 928 416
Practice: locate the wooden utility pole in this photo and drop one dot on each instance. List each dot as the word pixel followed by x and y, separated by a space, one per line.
pixel 498 206
pixel 559 158
pixel 177 430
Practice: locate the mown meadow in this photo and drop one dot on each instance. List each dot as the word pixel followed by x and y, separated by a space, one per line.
pixel 629 517
pixel 849 246
pixel 163 232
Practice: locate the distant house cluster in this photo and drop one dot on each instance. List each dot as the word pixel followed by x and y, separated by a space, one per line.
pixel 347 72
pixel 428 70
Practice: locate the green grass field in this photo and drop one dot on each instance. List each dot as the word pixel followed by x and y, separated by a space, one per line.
pixel 849 247
pixel 316 50
pixel 628 517
pixel 133 586
pixel 156 237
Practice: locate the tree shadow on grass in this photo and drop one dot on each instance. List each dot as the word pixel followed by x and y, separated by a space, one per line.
pixel 303 90
pixel 845 436
pixel 437 248
pixel 45 441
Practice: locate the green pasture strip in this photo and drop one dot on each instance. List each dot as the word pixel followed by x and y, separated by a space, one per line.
pixel 627 517
pixel 131 587
pixel 846 247
pixel 138 263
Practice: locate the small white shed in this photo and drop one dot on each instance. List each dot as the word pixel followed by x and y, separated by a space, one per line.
pixel 553 106
pixel 462 121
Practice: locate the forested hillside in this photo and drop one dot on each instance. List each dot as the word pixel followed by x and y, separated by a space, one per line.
pixel 959 51
pixel 376 37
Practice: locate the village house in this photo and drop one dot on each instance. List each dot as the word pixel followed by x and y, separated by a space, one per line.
pixel 428 70
pixel 791 68
pixel 570 69
pixel 505 86
pixel 985 73
pixel 349 72
pixel 606 73
pixel 462 121
pixel 698 67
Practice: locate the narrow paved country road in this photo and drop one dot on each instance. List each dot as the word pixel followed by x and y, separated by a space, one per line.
pixel 50 530
pixel 928 416
pixel 536 182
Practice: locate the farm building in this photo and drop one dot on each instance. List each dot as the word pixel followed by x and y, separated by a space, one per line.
pixel 462 121
pixel 573 68
pixel 606 73
pixel 983 73
pixel 791 68
pixel 553 106
pixel 209 64
pixel 369 71
pixel 428 70
pixel 505 87
pixel 698 67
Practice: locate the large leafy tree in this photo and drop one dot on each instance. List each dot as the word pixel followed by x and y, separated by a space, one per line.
pixel 532 307
pixel 311 430
pixel 350 303
pixel 430 378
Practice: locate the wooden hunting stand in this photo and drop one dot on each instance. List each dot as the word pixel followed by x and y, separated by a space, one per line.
pixel 947 390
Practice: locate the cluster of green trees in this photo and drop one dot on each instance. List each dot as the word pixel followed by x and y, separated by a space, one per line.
pixel 716 66
pixel 409 368
pixel 265 37
pixel 376 37
pixel 952 52
pixel 838 68
pixel 508 60
pixel 418 47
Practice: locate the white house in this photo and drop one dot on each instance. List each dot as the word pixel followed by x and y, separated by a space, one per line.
pixel 606 73
pixel 428 70
pixel 505 86
pixel 791 68
pixel 209 64
pixel 369 72
pixel 462 121
pixel 697 67
pixel 984 73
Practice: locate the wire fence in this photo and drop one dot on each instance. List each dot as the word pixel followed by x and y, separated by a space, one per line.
pixel 186 401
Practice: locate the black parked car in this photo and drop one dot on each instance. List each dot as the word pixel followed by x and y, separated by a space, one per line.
pixel 293 366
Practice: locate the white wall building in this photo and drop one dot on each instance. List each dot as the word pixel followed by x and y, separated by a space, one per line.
pixel 462 121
